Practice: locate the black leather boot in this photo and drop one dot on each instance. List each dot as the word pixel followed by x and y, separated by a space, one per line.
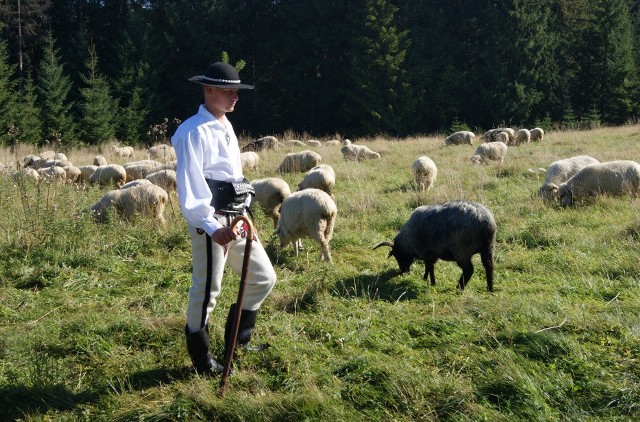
pixel 245 330
pixel 198 348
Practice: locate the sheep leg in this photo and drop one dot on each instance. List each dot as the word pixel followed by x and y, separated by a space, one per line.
pixel 429 270
pixel 467 272
pixel 486 255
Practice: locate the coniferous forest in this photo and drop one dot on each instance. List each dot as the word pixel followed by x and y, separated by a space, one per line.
pixel 84 72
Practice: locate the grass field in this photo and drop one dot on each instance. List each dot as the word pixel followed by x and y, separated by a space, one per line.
pixel 92 316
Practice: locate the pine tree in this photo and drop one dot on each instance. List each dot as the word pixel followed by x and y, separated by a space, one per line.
pixel 28 117
pixel 53 91
pixel 7 95
pixel 97 107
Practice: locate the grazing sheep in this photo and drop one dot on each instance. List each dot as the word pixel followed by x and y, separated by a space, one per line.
pixel 537 134
pixel 162 153
pixel 144 199
pixel 463 137
pixel 346 142
pixel 307 213
pixel 332 143
pixel 86 172
pixel 126 151
pixel 26 173
pixel 490 151
pixel 52 174
pixel 502 137
pixel 560 171
pixel 141 169
pixel 136 182
pixel 313 143
pixel 424 172
pixel 99 160
pixel 523 136
pixel 358 152
pixel 264 143
pixel 112 174
pixel 33 161
pixel 453 231
pixel 614 178
pixel 55 162
pixel 270 192
pixel 249 160
pixel 321 177
pixel 48 155
pixel 296 162
pixel 166 179
pixel 295 143
pixel 73 173
pixel 511 134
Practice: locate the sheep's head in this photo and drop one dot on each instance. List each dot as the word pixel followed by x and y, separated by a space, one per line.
pixel 549 192
pixel 565 195
pixel 403 258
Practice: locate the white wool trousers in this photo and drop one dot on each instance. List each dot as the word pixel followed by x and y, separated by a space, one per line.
pixel 208 262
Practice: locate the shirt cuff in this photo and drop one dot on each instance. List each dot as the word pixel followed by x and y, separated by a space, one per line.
pixel 211 227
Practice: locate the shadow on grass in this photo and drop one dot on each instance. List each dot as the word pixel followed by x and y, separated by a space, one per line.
pixel 25 402
pixel 388 285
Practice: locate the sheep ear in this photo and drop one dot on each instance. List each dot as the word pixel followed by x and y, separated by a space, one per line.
pixel 389 244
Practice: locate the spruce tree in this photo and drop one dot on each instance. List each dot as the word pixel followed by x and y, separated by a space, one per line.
pixel 28 116
pixel 53 91
pixel 7 95
pixel 97 106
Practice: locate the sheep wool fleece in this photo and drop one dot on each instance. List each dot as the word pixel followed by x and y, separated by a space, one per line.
pixel 207 148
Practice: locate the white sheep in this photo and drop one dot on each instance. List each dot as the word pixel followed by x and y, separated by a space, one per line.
pixel 460 138
pixel 523 136
pixel 26 173
pixel 136 182
pixel 358 152
pixel 537 134
pixel 321 177
pixel 490 151
pixel 424 172
pixel 99 160
pixel 111 174
pixel 346 142
pixel 73 173
pixel 140 169
pixel 166 179
pixel 295 143
pixel 48 155
pixel 125 151
pixel 296 162
pixel 161 152
pixel 559 172
pixel 502 137
pixel 614 178
pixel 249 160
pixel 313 143
pixel 270 192
pixel 144 199
pixel 332 143
pixel 86 172
pixel 307 213
pixel 52 174
pixel 511 135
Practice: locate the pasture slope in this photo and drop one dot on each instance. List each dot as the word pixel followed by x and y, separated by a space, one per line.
pixel 91 315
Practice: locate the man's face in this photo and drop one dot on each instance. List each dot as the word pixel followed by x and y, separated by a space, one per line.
pixel 220 100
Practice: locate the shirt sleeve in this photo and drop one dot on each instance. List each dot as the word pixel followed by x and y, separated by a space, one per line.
pixel 193 191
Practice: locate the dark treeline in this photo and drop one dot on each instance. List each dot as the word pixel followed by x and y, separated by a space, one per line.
pixel 88 71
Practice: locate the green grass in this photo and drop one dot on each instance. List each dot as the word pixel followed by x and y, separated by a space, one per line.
pixel 92 316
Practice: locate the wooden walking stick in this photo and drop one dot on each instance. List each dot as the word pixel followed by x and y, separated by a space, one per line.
pixel 236 317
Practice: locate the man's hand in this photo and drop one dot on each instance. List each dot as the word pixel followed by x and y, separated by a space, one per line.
pixel 223 235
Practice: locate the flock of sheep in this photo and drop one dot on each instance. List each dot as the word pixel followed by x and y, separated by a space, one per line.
pixel 454 231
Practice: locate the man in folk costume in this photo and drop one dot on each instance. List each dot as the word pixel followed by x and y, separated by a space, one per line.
pixel 212 191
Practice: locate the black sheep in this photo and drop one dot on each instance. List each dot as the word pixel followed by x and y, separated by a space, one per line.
pixel 453 231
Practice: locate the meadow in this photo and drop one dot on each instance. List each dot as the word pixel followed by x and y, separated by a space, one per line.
pixel 92 315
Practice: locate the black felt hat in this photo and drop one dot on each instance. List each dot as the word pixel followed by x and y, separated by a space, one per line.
pixel 221 75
